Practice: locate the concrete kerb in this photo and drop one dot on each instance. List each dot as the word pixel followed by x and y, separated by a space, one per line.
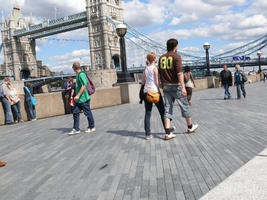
pixel 249 182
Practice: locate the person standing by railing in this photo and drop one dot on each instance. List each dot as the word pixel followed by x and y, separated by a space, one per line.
pixel 67 87
pixel 15 103
pixel 28 91
pixel 6 101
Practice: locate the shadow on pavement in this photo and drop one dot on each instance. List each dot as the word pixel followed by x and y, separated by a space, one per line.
pixel 62 130
pixel 140 135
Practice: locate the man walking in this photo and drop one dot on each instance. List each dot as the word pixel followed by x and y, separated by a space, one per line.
pixel 68 87
pixel 172 79
pixel 82 101
pixel 227 81
pixel 239 82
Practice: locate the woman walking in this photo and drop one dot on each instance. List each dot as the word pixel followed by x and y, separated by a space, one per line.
pixel 189 83
pixel 15 103
pixel 29 107
pixel 150 81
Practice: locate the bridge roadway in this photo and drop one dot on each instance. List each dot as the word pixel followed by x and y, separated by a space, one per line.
pixel 116 162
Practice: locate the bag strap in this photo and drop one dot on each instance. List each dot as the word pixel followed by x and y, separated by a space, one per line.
pixel 28 90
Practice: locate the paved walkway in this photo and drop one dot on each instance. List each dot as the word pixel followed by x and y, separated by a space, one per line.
pixel 43 162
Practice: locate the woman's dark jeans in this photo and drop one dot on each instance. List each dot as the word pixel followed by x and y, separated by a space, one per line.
pixel 16 110
pixel 148 107
pixel 30 109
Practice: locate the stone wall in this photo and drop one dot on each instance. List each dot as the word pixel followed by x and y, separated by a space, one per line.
pixel 52 104
pixel 103 78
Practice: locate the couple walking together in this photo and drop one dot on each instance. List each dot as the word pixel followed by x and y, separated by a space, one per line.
pixel 169 76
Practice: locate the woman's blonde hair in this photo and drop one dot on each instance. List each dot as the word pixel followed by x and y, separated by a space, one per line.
pixel 150 58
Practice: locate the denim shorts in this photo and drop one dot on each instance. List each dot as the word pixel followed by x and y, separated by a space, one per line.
pixel 172 93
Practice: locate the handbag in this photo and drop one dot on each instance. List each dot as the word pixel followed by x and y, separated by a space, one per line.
pixel 152 97
pixel 33 100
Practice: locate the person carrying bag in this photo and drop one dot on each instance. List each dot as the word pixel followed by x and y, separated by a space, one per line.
pixel 30 101
pixel 33 100
pixel 150 82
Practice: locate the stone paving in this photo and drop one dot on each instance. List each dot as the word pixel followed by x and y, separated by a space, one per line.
pixel 116 162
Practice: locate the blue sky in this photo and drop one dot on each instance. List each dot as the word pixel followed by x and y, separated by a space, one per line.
pixel 225 24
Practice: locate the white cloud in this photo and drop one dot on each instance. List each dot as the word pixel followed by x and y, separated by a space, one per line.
pixel 140 14
pixel 65 61
pixel 37 49
pixel 225 2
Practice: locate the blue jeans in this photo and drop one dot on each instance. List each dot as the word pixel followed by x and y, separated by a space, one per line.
pixel 16 109
pixel 30 109
pixel 242 86
pixel 172 93
pixel 227 94
pixel 148 107
pixel 78 107
pixel 7 108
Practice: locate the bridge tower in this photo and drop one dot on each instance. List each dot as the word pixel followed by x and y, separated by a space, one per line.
pixel 19 53
pixel 104 42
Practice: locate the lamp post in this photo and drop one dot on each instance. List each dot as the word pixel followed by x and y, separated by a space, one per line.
pixel 124 76
pixel 259 56
pixel 206 46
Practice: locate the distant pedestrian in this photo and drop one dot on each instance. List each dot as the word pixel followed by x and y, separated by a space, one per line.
pixel 2 164
pixel 151 85
pixel 4 94
pixel 30 108
pixel 261 76
pixel 82 102
pixel 67 87
pixel 227 81
pixel 15 103
pixel 73 93
pixel 240 80
pixel 172 78
pixel 189 83
pixel 265 76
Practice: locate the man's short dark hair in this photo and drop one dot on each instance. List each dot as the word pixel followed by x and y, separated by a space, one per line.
pixel 187 68
pixel 171 44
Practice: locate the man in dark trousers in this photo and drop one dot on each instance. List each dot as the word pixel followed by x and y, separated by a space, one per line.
pixel 172 79
pixel 227 81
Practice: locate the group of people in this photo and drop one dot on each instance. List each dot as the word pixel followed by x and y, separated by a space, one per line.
pixel 239 81
pixel 12 103
pixel 170 77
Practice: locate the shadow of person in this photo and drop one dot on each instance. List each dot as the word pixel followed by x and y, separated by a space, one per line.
pixel 140 135
pixel 62 130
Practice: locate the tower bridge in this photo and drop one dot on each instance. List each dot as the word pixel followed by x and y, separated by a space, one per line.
pixel 100 17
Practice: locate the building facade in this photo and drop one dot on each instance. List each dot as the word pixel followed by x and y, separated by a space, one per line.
pixel 104 42
pixel 19 53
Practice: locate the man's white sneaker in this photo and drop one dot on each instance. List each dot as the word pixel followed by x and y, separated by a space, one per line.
pixel 194 127
pixel 74 132
pixel 170 136
pixel 90 130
